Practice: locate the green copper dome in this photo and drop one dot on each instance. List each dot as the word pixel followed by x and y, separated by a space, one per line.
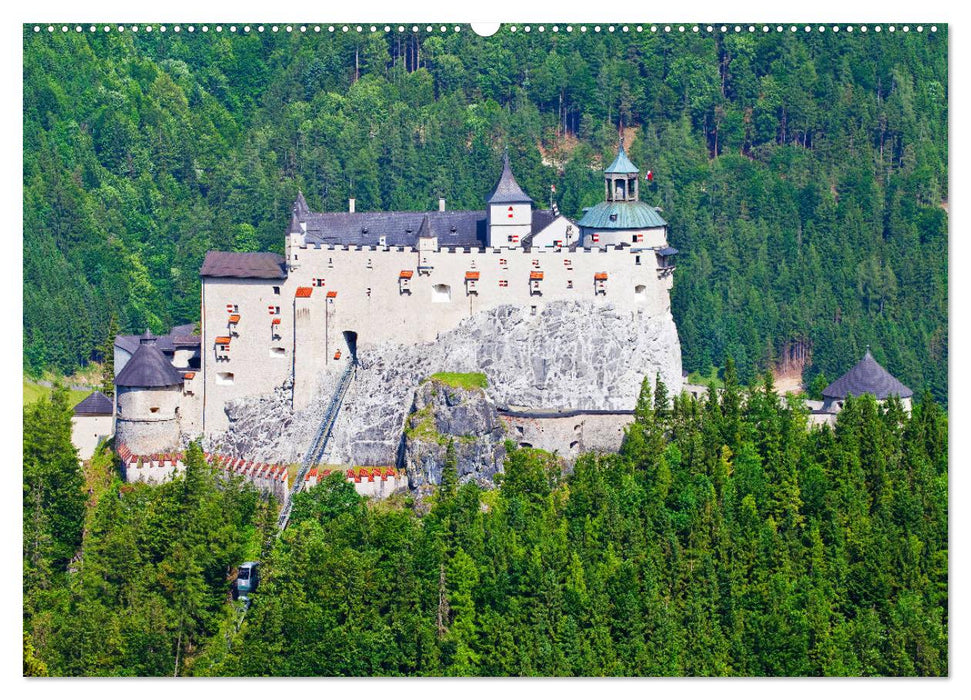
pixel 621 215
pixel 621 165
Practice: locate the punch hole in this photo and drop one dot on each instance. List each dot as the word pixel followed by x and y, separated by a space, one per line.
pixel 485 28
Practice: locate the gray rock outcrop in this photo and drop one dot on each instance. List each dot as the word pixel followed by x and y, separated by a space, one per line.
pixel 571 355
pixel 467 417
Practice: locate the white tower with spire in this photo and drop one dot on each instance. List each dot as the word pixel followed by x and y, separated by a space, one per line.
pixel 510 211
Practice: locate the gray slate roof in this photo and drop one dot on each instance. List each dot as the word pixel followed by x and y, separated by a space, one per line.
pixel 148 367
pixel 398 228
pixel 867 377
pixel 454 229
pixel 507 190
pixel 180 336
pixel 244 265
pixel 97 404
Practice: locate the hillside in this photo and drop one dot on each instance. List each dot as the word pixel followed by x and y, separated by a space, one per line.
pixel 804 176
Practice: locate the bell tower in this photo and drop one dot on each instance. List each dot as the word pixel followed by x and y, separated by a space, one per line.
pixel 620 178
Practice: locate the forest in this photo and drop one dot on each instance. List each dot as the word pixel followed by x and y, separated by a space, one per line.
pixel 803 175
pixel 724 539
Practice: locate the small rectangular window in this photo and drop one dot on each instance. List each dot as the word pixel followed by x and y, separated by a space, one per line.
pixel 276 290
pixel 503 283
pixel 637 259
pixel 569 284
pixel 532 310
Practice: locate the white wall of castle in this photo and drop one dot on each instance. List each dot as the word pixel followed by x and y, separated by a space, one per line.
pixel 509 224
pixel 376 302
pixel 88 430
pixel 561 230
pixel 643 238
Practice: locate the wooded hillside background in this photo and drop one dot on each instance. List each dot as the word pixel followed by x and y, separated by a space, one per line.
pixel 804 175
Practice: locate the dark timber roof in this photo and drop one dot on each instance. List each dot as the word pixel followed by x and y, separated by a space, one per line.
pixel 867 377
pixel 148 367
pixel 507 190
pixel 268 266
pixel 97 404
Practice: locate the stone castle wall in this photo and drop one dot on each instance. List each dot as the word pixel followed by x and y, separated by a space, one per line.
pixel 147 419
pixel 571 355
pixel 568 433
pixel 362 291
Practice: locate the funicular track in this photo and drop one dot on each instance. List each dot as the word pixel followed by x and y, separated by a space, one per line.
pixel 316 451
pixel 318 445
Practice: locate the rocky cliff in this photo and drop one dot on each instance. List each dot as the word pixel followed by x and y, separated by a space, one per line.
pixel 571 355
pixel 468 418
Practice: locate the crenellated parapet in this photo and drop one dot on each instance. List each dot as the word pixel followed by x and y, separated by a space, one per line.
pixel 269 479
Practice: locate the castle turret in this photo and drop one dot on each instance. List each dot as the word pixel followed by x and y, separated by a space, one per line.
pixel 148 392
pixel 510 211
pixel 622 219
pixel 867 377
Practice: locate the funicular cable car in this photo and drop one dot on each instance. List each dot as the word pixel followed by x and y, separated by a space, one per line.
pixel 247 580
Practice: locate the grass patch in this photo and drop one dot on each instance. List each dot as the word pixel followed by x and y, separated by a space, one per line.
pixel 460 380
pixel 702 380
pixel 421 426
pixel 34 392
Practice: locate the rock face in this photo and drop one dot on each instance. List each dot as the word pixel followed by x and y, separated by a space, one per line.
pixel 468 418
pixel 571 355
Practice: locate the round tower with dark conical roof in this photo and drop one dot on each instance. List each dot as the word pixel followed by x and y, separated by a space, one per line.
pixel 509 211
pixel 622 219
pixel 866 377
pixel 148 391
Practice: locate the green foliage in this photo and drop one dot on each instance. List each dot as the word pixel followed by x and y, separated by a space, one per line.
pixel 724 539
pixel 794 553
pixel 460 380
pixel 803 175
pixel 151 584
pixel 53 502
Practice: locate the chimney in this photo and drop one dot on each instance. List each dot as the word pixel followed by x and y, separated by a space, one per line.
pixel 350 205
pixel 441 204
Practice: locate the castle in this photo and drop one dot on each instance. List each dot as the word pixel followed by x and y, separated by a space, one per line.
pixel 353 279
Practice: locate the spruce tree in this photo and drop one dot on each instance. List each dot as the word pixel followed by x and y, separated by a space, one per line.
pixel 450 474
pixel 107 352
